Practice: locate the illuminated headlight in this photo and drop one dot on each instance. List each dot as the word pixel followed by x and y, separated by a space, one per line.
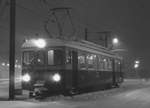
pixel 56 77
pixel 26 78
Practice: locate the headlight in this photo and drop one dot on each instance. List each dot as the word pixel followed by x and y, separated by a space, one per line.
pixel 26 78
pixel 56 77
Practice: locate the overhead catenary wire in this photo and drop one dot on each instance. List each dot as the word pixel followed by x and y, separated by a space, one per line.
pixel 29 10
pixel 59 21
pixel 74 19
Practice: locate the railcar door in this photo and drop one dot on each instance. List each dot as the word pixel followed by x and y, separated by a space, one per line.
pixel 74 69
pixel 116 72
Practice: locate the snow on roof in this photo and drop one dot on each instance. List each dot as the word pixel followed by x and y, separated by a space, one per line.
pixel 82 45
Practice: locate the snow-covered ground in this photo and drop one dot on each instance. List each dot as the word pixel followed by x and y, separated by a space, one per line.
pixel 131 94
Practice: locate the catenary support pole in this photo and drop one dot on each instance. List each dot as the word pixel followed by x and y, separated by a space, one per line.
pixel 12 51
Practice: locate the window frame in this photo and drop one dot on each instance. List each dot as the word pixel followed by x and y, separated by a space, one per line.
pixel 62 58
pixel 82 53
pixel 94 61
pixel 35 57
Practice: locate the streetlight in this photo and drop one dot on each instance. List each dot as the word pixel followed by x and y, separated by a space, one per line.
pixel 114 44
pixel 115 41
pixel 137 62
pixel 117 46
pixel 136 66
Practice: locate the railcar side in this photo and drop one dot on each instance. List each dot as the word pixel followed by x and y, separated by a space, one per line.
pixel 89 71
pixel 69 67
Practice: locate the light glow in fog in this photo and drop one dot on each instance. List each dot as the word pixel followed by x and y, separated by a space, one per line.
pixel 40 43
pixel 56 77
pixel 26 78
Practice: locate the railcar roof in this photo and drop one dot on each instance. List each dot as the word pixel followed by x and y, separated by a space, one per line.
pixel 82 45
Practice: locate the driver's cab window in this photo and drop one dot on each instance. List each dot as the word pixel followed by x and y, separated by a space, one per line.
pixel 33 58
pixel 28 57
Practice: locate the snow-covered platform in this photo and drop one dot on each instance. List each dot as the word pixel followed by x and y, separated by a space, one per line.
pixel 131 94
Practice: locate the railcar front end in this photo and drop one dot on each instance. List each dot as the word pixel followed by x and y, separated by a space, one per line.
pixel 42 70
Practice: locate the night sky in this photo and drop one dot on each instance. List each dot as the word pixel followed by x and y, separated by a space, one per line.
pixel 128 19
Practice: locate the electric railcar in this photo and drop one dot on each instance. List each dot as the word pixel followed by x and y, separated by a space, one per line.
pixel 68 67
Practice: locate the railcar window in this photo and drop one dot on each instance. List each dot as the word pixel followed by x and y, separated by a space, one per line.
pixel 101 63
pixel 28 57
pixel 68 57
pixel 91 61
pixel 55 57
pixel 81 61
pixel 117 65
pixel 31 57
pixel 51 57
pixel 40 58
pixel 105 64
pixel 110 64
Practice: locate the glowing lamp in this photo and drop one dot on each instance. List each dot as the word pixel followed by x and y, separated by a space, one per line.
pixel 136 66
pixel 56 77
pixel 40 43
pixel 26 78
pixel 115 41
pixel 3 64
pixel 137 62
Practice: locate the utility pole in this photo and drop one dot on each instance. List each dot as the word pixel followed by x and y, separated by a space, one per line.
pixel 12 50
